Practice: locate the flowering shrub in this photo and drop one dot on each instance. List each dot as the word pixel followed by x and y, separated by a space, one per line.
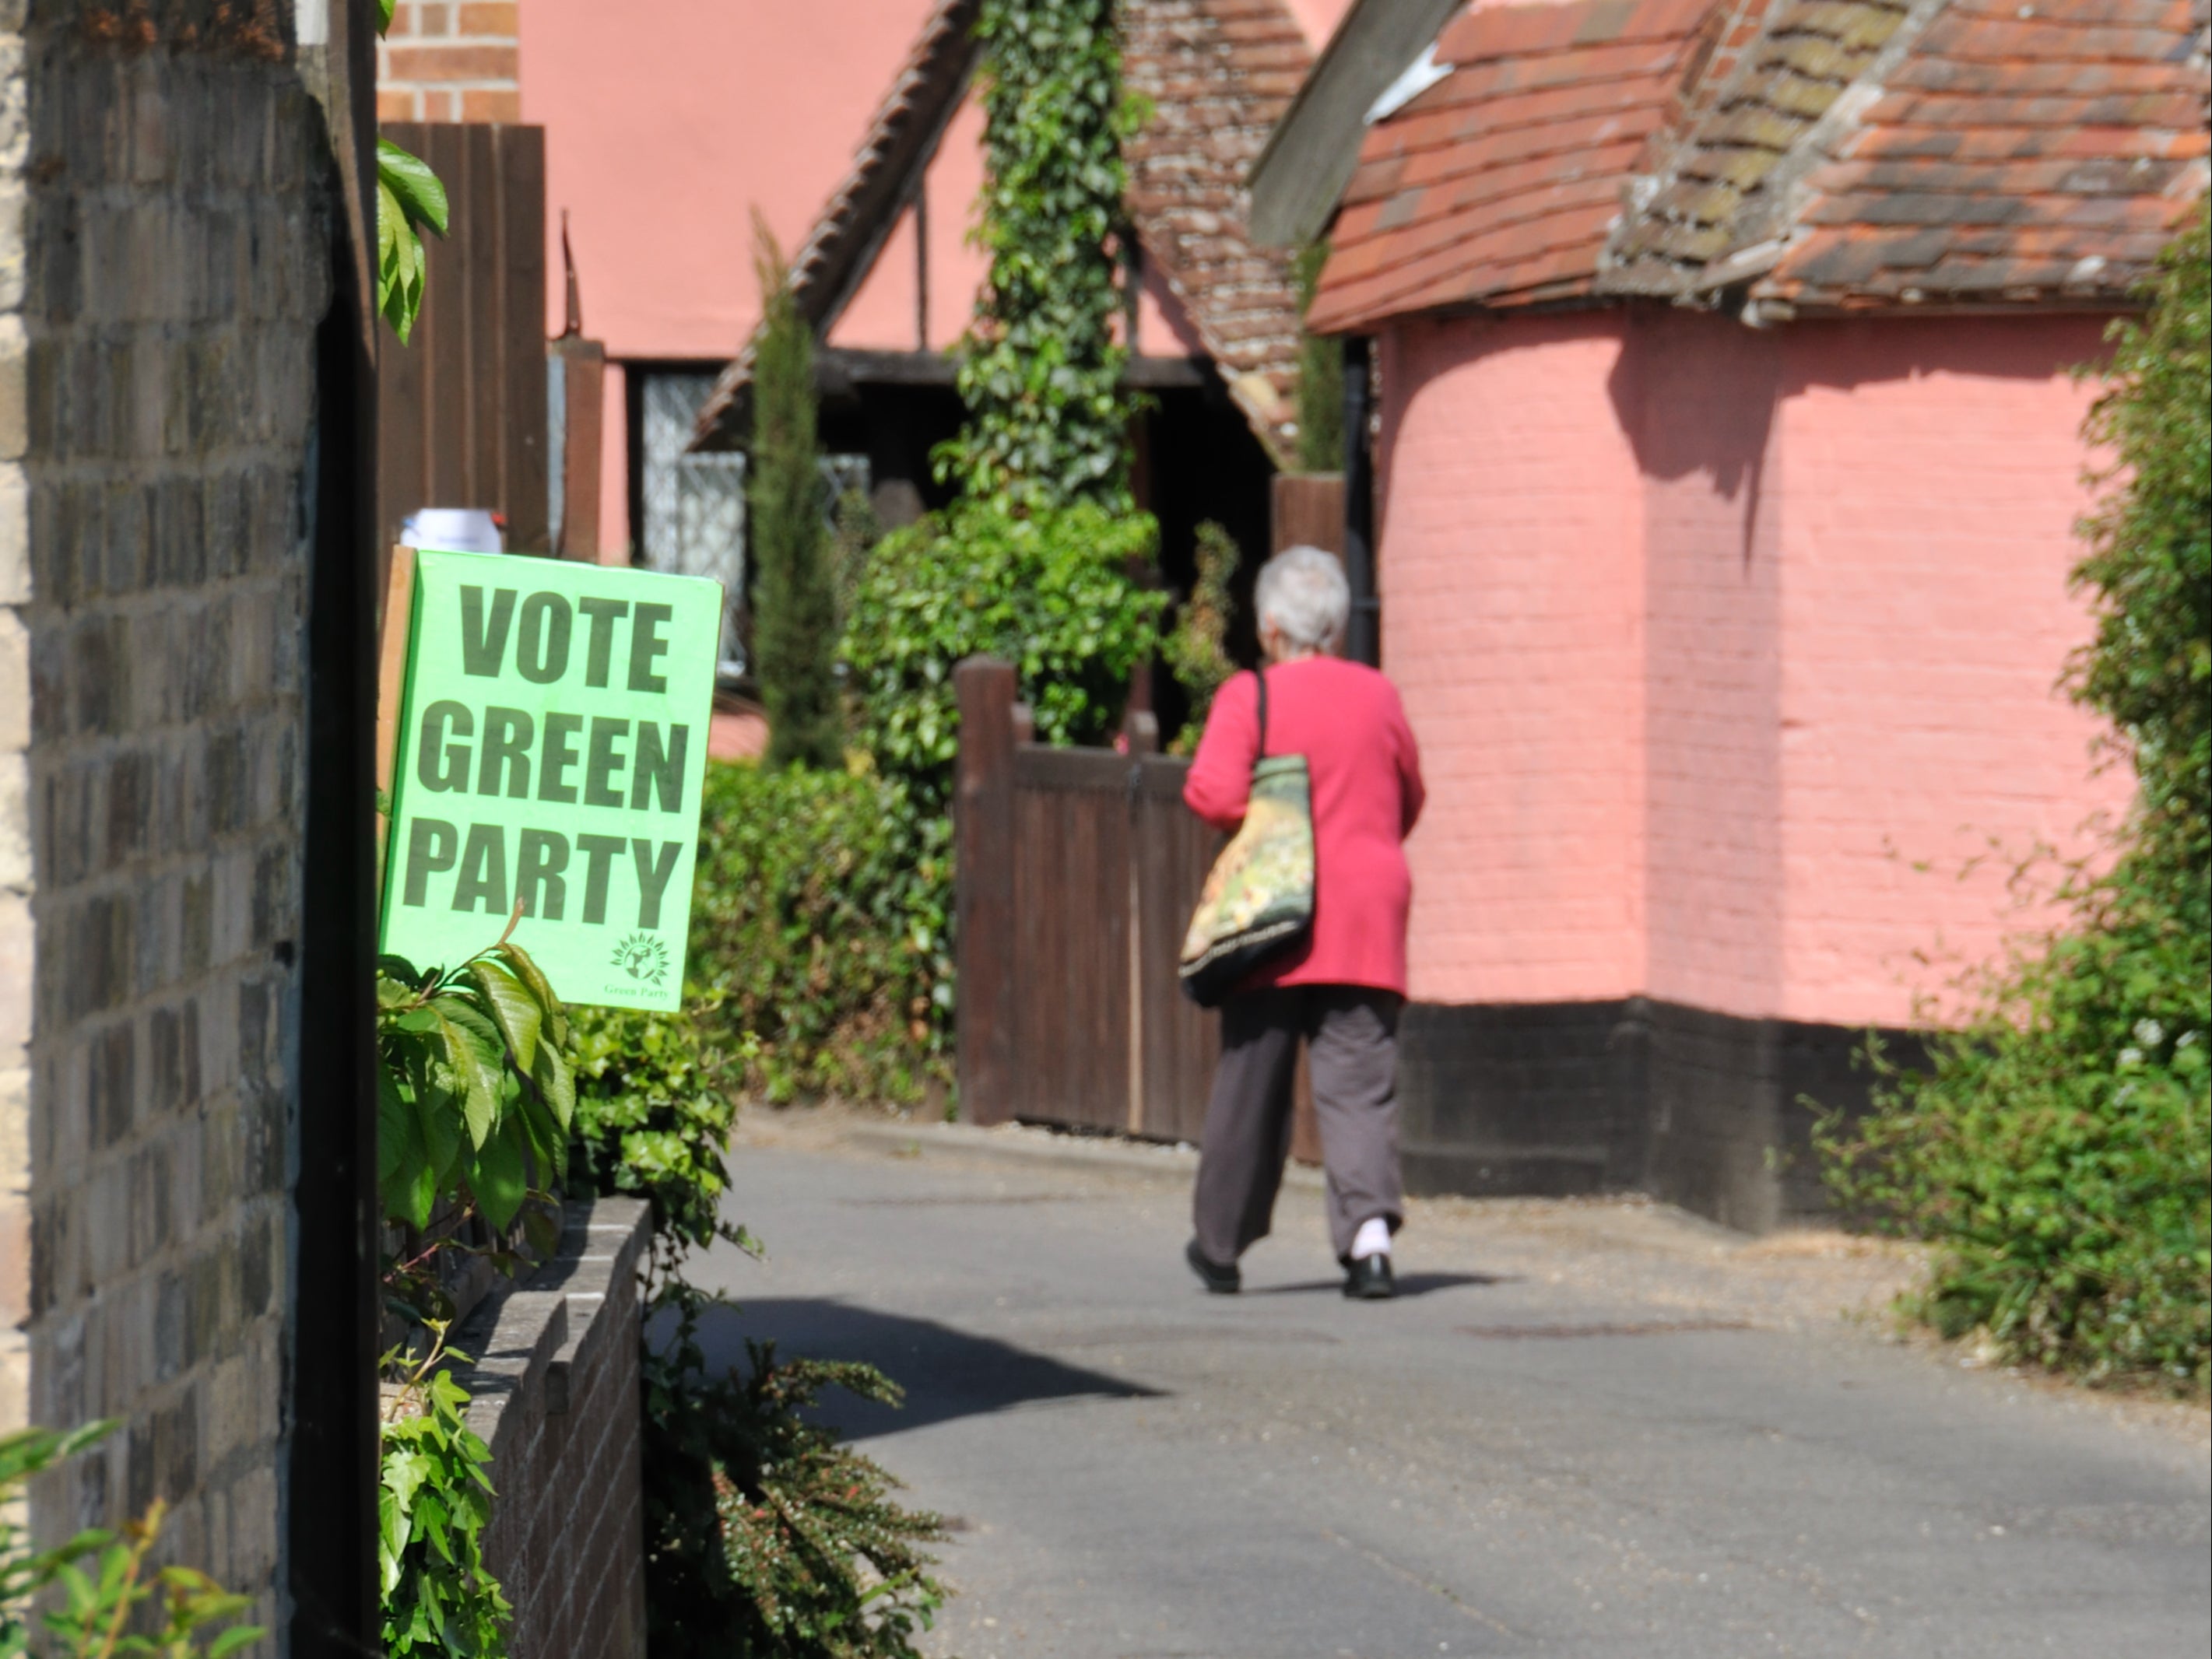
pixel 2057 1149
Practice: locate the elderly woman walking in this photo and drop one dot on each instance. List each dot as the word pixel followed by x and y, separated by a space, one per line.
pixel 1341 988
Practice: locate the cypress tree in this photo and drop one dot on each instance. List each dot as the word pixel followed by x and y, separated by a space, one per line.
pixel 794 592
pixel 1321 376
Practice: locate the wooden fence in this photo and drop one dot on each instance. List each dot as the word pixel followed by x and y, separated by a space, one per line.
pixel 1077 871
pixel 461 408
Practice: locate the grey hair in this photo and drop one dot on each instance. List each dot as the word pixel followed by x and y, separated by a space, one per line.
pixel 1303 592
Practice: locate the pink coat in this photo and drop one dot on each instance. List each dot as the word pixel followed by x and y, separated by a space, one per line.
pixel 1346 721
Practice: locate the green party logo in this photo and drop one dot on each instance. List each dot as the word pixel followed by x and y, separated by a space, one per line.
pixel 644 958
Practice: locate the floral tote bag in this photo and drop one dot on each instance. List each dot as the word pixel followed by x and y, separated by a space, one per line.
pixel 1259 896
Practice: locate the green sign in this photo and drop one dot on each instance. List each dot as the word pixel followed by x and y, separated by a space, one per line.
pixel 552 742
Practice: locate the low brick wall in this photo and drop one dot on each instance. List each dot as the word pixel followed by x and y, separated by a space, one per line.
pixel 557 1399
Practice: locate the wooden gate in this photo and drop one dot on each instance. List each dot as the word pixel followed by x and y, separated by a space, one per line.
pixel 461 408
pixel 1077 871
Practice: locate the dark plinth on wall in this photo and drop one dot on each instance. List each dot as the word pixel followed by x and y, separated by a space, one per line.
pixel 1705 1110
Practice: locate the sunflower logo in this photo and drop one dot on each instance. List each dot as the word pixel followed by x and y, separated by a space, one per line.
pixel 643 956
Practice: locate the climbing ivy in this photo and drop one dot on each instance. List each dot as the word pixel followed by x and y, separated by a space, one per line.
pixel 1041 368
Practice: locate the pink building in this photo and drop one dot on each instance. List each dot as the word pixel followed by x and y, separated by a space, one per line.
pixel 851 127
pixel 1726 471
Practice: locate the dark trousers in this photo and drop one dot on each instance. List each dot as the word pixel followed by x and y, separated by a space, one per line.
pixel 1352 1037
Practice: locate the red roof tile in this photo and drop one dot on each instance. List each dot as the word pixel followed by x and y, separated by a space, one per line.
pixel 1988 152
pixel 1219 74
pixel 1502 178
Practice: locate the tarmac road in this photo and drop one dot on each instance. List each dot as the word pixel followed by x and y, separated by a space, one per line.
pixel 1586 1430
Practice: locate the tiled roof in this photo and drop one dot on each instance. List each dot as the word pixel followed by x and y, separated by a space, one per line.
pixel 1835 153
pixel 1498 183
pixel 2017 153
pixel 830 266
pixel 1986 152
pixel 1219 74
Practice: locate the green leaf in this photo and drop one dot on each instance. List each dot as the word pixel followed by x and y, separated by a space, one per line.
pixel 472 1048
pixel 398 1133
pixel 515 1011
pixel 415 189
pixel 525 968
pixel 556 1083
pixel 500 1178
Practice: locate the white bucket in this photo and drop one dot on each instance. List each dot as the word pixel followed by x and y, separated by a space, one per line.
pixel 451 530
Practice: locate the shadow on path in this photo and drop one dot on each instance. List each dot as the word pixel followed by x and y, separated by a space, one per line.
pixel 1408 1284
pixel 946 1373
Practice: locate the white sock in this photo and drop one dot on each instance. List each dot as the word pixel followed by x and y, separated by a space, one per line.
pixel 1373 1238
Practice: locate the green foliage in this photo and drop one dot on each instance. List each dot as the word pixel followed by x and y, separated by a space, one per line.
pixel 766 1537
pixel 475 1096
pixel 656 1100
pixel 109 1603
pixel 1057 594
pixel 408 198
pixel 2057 1148
pixel 1041 371
pixel 794 594
pixel 1321 377
pixel 474 1092
pixel 2149 668
pixel 820 926
pixel 1196 651
pixel 433 1506
pixel 853 541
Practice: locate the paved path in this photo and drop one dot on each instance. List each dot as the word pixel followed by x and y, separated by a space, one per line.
pixel 1590 1431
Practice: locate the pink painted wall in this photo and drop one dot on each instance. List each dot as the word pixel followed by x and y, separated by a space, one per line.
pixel 1512 609
pixel 1699 394
pixel 1932 476
pixel 1711 636
pixel 881 316
pixel 664 125
pixel 1319 18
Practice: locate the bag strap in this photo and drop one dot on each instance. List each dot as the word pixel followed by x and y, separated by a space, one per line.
pixel 1261 675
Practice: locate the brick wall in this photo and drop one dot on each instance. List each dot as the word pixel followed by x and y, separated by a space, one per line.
pixel 1702 411
pixel 1729 651
pixel 1933 475
pixel 556 1397
pixel 1510 518
pixel 163 269
pixel 450 60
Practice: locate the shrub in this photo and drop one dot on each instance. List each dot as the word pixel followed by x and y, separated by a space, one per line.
pixel 2055 1147
pixel 1196 651
pixel 2149 667
pixel 656 1100
pixel 119 1600
pixel 765 1535
pixel 1058 594
pixel 794 592
pixel 433 1508
pixel 820 927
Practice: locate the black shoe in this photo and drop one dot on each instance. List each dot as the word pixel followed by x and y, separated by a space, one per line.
pixel 1369 1280
pixel 1222 1281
